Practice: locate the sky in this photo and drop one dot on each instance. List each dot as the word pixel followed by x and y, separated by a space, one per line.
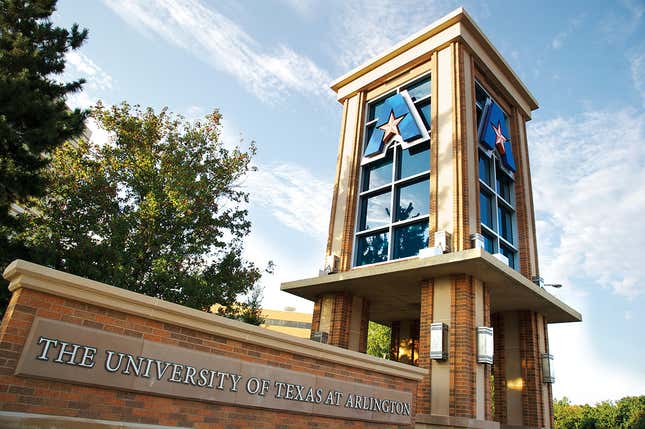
pixel 267 66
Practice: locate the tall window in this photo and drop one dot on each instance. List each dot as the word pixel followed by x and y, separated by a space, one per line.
pixel 394 198
pixel 497 194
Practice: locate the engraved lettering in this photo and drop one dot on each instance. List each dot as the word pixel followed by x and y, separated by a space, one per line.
pixel 175 376
pixel 279 385
pixel 108 359
pixel 136 366
pixel 48 342
pixel 253 385
pixel 87 361
pixel 266 384
pixel 222 376
pixel 319 393
pixel 203 377
pixel 190 375
pixel 64 352
pixel 234 379
pixel 161 372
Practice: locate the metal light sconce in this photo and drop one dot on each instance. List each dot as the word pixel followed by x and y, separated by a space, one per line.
pixel 548 375
pixel 484 345
pixel 439 341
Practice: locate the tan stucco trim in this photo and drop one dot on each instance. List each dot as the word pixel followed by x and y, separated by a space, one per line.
pixel 339 165
pixel 23 274
pixel 434 154
pixel 379 88
pixel 445 142
pixel 454 25
pixel 471 145
pixel 440 374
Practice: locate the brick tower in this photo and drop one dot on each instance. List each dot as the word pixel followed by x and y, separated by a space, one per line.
pixel 432 229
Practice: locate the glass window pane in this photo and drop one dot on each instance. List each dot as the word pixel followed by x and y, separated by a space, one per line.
pixel 486 208
pixel 504 185
pixel 484 169
pixel 375 211
pixel 510 254
pixel 410 239
pixel 379 110
pixel 413 200
pixel 372 248
pixel 424 111
pixel 419 89
pixel 377 173
pixel 489 243
pixel 414 161
pixel 505 224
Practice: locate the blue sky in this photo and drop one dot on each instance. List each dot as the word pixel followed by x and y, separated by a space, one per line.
pixel 267 65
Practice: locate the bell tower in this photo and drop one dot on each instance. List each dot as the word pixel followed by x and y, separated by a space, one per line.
pixel 432 229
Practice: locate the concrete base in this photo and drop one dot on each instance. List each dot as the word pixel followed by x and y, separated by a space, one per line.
pixel 11 420
pixel 429 421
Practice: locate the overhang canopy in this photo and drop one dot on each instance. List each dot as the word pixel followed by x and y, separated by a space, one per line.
pixel 393 288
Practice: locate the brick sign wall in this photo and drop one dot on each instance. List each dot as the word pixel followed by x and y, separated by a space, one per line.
pixel 72 357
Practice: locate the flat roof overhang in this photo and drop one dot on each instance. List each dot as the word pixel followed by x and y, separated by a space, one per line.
pixel 393 288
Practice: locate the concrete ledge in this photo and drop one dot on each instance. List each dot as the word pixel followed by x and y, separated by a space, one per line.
pixel 11 420
pixel 429 421
pixel 23 274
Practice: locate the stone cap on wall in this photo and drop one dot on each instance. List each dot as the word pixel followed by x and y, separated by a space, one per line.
pixel 393 287
pixel 23 274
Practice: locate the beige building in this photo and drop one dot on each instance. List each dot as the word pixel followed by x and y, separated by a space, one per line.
pixel 287 321
pixel 432 229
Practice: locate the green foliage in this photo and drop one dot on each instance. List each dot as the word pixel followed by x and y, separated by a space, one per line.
pixel 627 413
pixel 33 116
pixel 156 210
pixel 378 340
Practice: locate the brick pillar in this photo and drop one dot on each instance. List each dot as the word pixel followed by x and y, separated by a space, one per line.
pixel 463 348
pixel 344 318
pixel 365 321
pixel 423 388
pixel 499 368
pixel 315 317
pixel 395 340
pixel 532 410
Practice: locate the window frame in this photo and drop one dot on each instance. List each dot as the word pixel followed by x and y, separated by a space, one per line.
pixel 498 201
pixel 394 185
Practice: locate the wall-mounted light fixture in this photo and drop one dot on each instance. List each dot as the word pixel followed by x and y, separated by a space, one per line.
pixel 484 345
pixel 477 241
pixel 548 375
pixel 439 341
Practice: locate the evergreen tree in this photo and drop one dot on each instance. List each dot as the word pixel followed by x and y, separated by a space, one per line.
pixel 34 118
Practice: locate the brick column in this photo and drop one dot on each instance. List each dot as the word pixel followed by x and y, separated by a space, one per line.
pixel 499 368
pixel 423 390
pixel 463 348
pixel 344 317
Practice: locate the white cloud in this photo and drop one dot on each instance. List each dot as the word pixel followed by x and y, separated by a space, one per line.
pixel 97 82
pixel 584 376
pixel 293 195
pixel 637 68
pixel 215 39
pixel 589 185
pixel 382 24
pixel 562 36
pixel 305 8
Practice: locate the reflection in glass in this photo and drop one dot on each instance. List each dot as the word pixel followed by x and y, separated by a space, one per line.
pixel 486 208
pixel 489 244
pixel 413 200
pixel 409 239
pixel 377 173
pixel 375 211
pixel 505 223
pixel 484 169
pixel 419 89
pixel 510 254
pixel 503 185
pixel 414 161
pixel 372 248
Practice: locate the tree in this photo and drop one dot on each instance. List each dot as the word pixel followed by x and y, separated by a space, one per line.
pixel 627 413
pixel 34 118
pixel 156 210
pixel 378 340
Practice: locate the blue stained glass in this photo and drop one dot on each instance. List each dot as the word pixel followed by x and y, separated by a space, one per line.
pixel 378 173
pixel 409 239
pixel 375 211
pixel 424 111
pixel 486 209
pixel 413 200
pixel 379 110
pixel 505 224
pixel 398 108
pixel 372 248
pixel 419 89
pixel 484 169
pixel 414 161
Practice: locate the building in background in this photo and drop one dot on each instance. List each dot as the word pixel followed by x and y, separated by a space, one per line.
pixel 287 321
pixel 432 230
